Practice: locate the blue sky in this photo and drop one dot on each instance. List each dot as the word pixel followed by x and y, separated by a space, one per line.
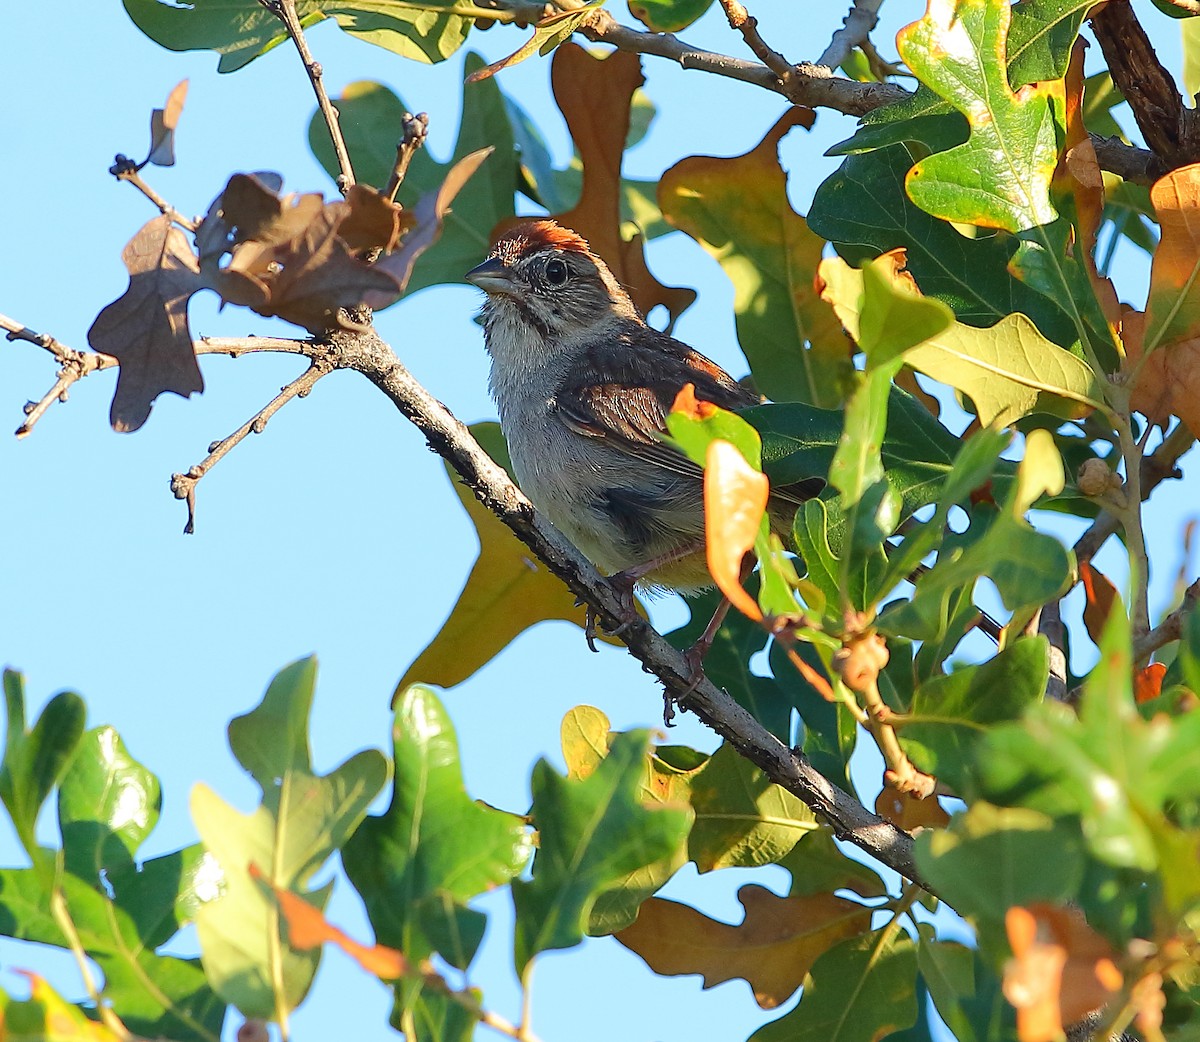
pixel 335 531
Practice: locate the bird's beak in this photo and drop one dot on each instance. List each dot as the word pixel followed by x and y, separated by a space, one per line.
pixel 493 276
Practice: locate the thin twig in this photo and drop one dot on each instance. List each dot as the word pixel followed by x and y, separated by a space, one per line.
pixel 415 131
pixel 746 24
pixel 1050 626
pixel 184 485
pixel 856 28
pixel 285 11
pixel 125 169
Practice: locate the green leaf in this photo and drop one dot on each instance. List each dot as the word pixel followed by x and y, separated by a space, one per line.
pixel 1000 177
pixel 950 714
pixel 121 912
pixel 743 820
pixel 107 805
pixel 667 16
pixel 241 30
pixel 980 863
pixel 738 210
pixel 591 832
pixel 864 210
pixel 437 1017
pixel 420 862
pixel 302 819
pixel 370 119
pixel 965 989
pixel 35 759
pixel 865 988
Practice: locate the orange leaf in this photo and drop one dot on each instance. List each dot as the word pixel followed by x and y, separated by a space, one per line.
pixel 1147 683
pixel 690 406
pixel 772 949
pixel 1152 395
pixel 735 502
pixel 1061 970
pixel 594 94
pixel 1101 595
pixel 308 928
pixel 1173 306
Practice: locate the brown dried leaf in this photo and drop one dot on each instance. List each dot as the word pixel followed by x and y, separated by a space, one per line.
pixel 427 226
pixel 254 211
pixel 1061 970
pixel 772 949
pixel 594 95
pixel 162 127
pixel 372 221
pixel 1147 682
pixel 146 329
pixel 1173 304
pixel 1152 395
pixel 735 503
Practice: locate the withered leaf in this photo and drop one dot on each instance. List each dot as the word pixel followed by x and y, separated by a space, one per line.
pixel 772 949
pixel 594 95
pixel 162 127
pixel 146 328
pixel 372 221
pixel 254 211
pixel 427 226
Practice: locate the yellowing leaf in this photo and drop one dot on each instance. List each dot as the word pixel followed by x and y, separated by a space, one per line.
pixel 47 1017
pixel 1101 594
pixel 735 504
pixel 548 33
pixel 1008 370
pixel 772 949
pixel 146 329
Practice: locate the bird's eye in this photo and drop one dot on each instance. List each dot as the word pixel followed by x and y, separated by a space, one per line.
pixel 556 272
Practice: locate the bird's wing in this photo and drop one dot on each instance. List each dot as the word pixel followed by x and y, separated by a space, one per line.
pixel 623 389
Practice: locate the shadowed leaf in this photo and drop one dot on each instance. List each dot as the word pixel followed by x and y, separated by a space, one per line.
pixel 146 329
pixel 162 127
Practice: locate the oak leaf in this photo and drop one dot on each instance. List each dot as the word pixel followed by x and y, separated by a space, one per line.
pixel 1061 970
pixel 1101 594
pixel 1173 305
pixel 162 126
pixel 146 328
pixel 772 949
pixel 594 95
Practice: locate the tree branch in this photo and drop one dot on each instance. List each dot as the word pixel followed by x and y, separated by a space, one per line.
pixel 815 86
pixel 1171 628
pixel 856 28
pixel 365 353
pixel 746 24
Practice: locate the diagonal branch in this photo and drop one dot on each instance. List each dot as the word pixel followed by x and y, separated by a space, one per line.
pixel 366 353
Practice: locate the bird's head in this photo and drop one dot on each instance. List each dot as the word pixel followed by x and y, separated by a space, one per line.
pixel 545 277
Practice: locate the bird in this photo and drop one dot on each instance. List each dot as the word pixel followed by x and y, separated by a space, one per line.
pixel 583 387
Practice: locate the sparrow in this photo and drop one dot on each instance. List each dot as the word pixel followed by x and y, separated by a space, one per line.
pixel 583 386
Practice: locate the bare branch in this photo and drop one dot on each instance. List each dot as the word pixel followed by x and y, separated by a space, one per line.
pixel 285 11
pixel 1050 626
pixel 746 24
pixel 125 169
pixel 856 28
pixel 1138 165
pixel 415 131
pixel 184 485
